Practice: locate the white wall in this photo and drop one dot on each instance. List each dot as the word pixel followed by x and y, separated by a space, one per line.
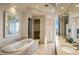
pixel 25 26
pixel 49 29
pixel 1 24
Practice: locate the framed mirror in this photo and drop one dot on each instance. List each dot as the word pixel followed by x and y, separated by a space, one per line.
pixel 11 24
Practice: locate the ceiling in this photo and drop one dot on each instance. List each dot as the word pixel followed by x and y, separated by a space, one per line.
pixel 40 8
pixel 35 8
pixel 63 8
pixel 67 8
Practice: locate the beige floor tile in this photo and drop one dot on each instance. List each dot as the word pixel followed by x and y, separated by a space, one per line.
pixel 45 49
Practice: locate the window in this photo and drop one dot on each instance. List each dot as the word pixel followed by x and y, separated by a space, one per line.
pixel 13 28
pixel 12 24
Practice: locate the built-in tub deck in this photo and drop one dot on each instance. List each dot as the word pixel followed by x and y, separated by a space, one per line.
pixel 17 47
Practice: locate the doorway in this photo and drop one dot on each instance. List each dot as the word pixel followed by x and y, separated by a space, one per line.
pixel 29 27
pixel 36 31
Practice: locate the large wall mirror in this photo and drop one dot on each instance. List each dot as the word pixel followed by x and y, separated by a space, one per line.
pixel 11 24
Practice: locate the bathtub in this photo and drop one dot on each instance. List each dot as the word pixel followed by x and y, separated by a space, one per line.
pixel 17 46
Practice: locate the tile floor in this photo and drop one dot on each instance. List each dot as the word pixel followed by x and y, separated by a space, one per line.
pixel 45 49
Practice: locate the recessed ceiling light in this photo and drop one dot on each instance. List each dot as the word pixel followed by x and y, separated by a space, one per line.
pixel 62 7
pixel 77 5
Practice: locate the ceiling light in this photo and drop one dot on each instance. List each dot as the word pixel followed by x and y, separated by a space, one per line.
pixel 62 7
pixel 77 5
